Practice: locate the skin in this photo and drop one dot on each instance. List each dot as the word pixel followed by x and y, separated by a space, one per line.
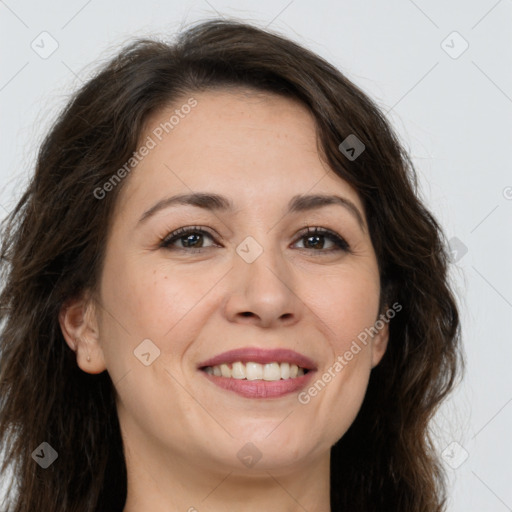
pixel 181 432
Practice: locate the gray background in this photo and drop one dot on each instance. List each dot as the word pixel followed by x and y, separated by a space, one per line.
pixel 451 109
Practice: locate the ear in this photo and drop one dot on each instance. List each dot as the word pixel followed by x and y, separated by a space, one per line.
pixel 79 324
pixel 380 341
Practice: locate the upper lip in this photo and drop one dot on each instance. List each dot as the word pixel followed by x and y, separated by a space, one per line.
pixel 260 355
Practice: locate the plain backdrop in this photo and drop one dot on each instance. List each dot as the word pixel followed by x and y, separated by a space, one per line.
pixel 442 73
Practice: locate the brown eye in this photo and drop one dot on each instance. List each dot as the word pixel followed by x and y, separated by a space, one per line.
pixel 314 238
pixel 189 238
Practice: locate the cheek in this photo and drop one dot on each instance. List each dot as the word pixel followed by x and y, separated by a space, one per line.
pixel 144 302
pixel 159 302
pixel 348 304
pixel 150 300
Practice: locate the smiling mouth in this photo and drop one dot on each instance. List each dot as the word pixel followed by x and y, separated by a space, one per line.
pixel 274 371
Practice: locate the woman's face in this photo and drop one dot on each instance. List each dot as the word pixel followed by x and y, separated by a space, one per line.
pixel 247 277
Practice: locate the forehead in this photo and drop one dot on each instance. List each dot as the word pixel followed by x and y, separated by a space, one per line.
pixel 242 143
pixel 237 113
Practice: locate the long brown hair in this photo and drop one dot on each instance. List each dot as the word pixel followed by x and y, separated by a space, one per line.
pixel 53 245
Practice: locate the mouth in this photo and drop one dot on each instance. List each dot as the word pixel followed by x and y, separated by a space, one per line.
pixel 259 373
pixel 251 370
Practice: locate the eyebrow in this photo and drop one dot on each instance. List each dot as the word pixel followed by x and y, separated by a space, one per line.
pixel 216 202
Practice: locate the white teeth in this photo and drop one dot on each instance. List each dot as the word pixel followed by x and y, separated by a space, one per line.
pixel 271 371
pixel 238 371
pixel 285 370
pixel 253 371
pixel 225 370
pixel 256 371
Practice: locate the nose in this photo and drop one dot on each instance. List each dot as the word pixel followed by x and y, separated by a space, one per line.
pixel 261 293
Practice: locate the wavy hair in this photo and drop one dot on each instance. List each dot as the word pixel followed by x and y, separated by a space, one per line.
pixel 53 247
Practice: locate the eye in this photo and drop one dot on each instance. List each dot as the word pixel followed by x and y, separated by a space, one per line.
pixel 189 237
pixel 315 239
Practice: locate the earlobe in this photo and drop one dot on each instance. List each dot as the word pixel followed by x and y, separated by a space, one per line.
pixel 79 326
pixel 380 344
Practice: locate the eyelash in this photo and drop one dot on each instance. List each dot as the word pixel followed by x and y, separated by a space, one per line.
pixel 339 242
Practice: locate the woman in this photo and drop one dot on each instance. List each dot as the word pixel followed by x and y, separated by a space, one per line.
pixel 222 291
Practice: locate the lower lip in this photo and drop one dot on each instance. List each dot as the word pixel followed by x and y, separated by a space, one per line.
pixel 260 388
